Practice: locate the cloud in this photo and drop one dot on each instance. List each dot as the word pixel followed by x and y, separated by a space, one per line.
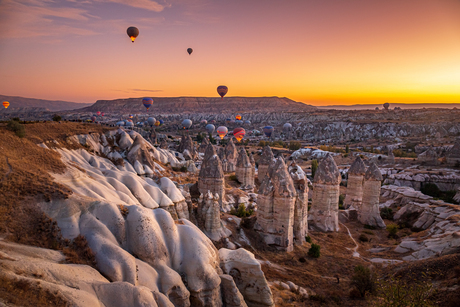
pixel 142 90
pixel 141 4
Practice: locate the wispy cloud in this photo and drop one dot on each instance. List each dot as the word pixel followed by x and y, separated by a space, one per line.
pixel 143 90
pixel 141 4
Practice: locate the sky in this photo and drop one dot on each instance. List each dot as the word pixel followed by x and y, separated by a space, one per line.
pixel 319 52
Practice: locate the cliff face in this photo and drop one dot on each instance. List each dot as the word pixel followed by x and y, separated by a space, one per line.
pixel 174 105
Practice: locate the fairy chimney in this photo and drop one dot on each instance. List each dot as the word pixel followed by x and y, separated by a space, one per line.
pixel 211 177
pixel 275 208
pixel 209 217
pixel 264 162
pixel 244 170
pixel 368 213
pixel 301 203
pixel 324 212
pixel 356 173
pixel 231 155
pixel 203 146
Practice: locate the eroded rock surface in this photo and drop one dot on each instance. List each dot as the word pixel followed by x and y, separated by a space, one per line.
pixel 244 170
pixel 368 212
pixel 265 160
pixel 211 177
pixel 300 181
pixel 356 173
pixel 231 154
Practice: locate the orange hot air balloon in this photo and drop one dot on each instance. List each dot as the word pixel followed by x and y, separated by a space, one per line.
pixel 239 133
pixel 238 117
pixel 6 104
pixel 222 132
pixel 157 123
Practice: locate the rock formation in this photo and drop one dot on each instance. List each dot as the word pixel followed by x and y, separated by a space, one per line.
pixel 275 207
pixel 453 156
pixel 209 217
pixel 140 156
pixel 244 170
pixel 203 146
pixel 368 213
pixel 356 173
pixel 248 276
pixel 231 154
pixel 323 215
pixel 429 157
pixel 265 160
pixel 187 148
pixel 231 296
pixel 211 177
pixel 301 203
pixel 164 144
pixel 391 158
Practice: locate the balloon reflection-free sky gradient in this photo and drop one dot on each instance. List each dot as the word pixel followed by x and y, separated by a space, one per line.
pixel 315 51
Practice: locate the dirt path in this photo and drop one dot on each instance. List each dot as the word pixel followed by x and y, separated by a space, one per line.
pixel 10 170
pixel 355 249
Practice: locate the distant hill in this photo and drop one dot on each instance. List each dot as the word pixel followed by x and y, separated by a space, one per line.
pixel 22 104
pixel 174 105
pixel 392 106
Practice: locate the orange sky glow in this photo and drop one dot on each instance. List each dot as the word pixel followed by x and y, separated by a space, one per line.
pixel 318 52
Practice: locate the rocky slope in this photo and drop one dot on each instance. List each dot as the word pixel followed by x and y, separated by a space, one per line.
pixel 24 104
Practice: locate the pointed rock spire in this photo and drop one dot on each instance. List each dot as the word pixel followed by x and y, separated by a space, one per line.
pixel 328 172
pixel 357 167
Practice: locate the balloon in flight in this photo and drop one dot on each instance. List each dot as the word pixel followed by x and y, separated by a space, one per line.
pixel 93 118
pixel 238 117
pixel 287 127
pixel 222 132
pixel 186 123
pixel 132 32
pixel 210 128
pixel 239 133
pixel 151 121
pixel 161 122
pixel 189 50
pixel 98 113
pixel 157 123
pixel 6 104
pixel 204 121
pixel 147 102
pixel 268 130
pixel 222 90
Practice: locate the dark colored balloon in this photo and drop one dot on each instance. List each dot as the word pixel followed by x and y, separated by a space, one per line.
pixel 189 50
pixel 93 118
pixel 268 130
pixel 210 128
pixel 147 102
pixel 132 32
pixel 386 105
pixel 222 90
pixel 161 122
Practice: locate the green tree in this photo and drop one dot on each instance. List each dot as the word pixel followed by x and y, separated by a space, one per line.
pixel 314 251
pixel 17 128
pixel 295 145
pixel 314 167
pixel 364 280
pixel 347 149
pixel 57 118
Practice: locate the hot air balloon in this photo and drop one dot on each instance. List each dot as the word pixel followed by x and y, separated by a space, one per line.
pixel 212 121
pixel 204 121
pixel 131 116
pixel 287 127
pixel 132 32
pixel 228 120
pixel 239 121
pixel 147 102
pixel 268 130
pixel 157 123
pixel 98 113
pixel 129 124
pixel 247 122
pixel 151 121
pixel 386 105
pixel 222 131
pixel 238 117
pixel 189 50
pixel 6 104
pixel 121 123
pixel 161 122
pixel 102 114
pixel 93 118
pixel 239 133
pixel 186 123
pixel 129 120
pixel 222 90
pixel 210 128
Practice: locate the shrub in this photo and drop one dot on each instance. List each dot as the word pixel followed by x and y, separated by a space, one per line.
pixel 364 280
pixel 347 149
pixel 392 230
pixel 369 227
pixel 386 213
pixel 183 169
pixel 233 178
pixel 308 239
pixel 17 128
pixel 295 145
pixel 314 167
pixel 314 251
pixel 57 118
pixel 431 189
pixel 341 199
pixel 242 211
pixel 363 238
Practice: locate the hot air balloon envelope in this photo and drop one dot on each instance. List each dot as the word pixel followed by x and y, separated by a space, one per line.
pixel 239 133
pixel 93 118
pixel 189 50
pixel 157 123
pixel 186 123
pixel 129 124
pixel 120 123
pixel 238 117
pixel 222 132
pixel 98 113
pixel 132 32
pixel 102 114
pixel 268 130
pixel 222 90
pixel 287 127
pixel 247 122
pixel 6 104
pixel 147 102
pixel 210 128
pixel 161 122
pixel 204 121
pixel 151 121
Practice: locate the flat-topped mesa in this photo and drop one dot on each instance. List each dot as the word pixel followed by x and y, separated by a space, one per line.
pixel 264 162
pixel 429 157
pixel 187 147
pixel 453 156
pixel 301 204
pixel 275 208
pixel 368 213
pixel 140 156
pixel 324 212
pixel 211 177
pixel 209 217
pixel 244 170
pixel 231 154
pixel 356 173
pixel 203 146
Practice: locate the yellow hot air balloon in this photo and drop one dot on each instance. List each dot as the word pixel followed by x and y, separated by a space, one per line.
pixel 6 104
